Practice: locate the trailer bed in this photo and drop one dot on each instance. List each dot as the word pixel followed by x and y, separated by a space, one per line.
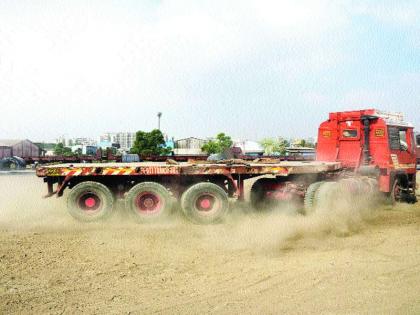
pixel 283 168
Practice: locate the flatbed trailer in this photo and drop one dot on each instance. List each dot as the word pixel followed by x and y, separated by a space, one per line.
pixel 236 172
pixel 281 168
pixel 359 151
pixel 225 179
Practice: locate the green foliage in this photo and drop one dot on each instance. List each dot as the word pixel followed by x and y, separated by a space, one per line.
pixel 219 145
pixel 79 151
pixel 274 146
pixel 303 143
pixel 45 146
pixel 309 144
pixel 150 143
pixel 60 149
pixel 211 147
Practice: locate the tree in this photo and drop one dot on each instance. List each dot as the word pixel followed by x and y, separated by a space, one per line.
pixel 219 145
pixel 274 146
pixel 303 143
pixel 79 151
pixel 309 144
pixel 150 143
pixel 60 149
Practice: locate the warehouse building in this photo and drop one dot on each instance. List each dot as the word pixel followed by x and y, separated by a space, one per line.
pixel 22 148
pixel 189 146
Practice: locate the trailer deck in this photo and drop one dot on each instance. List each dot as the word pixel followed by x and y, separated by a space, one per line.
pixel 283 168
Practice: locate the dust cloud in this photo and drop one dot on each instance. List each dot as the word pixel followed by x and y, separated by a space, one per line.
pixel 340 214
pixel 23 208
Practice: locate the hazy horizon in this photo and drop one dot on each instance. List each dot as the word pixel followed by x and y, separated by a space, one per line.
pixel 250 69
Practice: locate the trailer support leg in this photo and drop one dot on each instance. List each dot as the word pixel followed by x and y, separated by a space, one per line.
pixel 240 184
pixel 63 185
pixel 50 189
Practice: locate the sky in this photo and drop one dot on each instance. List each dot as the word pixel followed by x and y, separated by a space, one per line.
pixel 251 69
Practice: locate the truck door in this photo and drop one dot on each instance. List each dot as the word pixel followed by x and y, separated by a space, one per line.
pixel 418 148
pixel 402 147
pixel 349 143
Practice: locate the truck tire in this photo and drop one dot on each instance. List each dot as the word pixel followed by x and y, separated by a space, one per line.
pixel 370 192
pixel 395 194
pixel 148 202
pixel 324 195
pixel 309 203
pixel 205 203
pixel 90 201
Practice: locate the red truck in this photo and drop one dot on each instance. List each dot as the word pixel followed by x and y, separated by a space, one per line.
pixel 370 149
pixel 418 149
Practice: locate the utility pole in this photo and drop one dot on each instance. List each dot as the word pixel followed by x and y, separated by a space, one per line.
pixel 159 114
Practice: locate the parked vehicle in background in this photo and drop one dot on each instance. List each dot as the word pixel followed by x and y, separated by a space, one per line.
pixel 130 158
pixel 12 163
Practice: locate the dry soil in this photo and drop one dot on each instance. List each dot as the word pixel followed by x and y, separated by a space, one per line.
pixel 271 263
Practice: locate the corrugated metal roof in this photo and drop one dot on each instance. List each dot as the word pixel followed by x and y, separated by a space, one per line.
pixel 191 138
pixel 9 142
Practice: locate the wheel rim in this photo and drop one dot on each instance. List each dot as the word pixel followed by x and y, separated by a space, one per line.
pixel 89 202
pixel 149 203
pixel 396 192
pixel 207 203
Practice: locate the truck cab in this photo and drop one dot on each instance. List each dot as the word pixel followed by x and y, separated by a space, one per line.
pixel 373 141
pixel 418 148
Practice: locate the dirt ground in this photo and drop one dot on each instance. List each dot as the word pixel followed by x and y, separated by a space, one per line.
pixel 271 263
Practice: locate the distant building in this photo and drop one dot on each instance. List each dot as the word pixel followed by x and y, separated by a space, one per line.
pixel 170 143
pixel 105 144
pixel 49 152
pixel 189 146
pixel 22 148
pixel 124 139
pixel 84 141
pixel 70 142
pixel 85 149
pixel 248 147
pixel 46 147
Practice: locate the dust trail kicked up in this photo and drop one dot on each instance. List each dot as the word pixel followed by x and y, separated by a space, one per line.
pixel 22 207
pixel 340 214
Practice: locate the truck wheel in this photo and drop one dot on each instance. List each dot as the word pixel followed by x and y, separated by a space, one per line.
pixel 205 203
pixel 396 194
pixel 148 202
pixel 309 203
pixel 90 201
pixel 324 196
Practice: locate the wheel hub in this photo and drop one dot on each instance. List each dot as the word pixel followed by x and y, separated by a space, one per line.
pixel 148 202
pixel 205 202
pixel 90 202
